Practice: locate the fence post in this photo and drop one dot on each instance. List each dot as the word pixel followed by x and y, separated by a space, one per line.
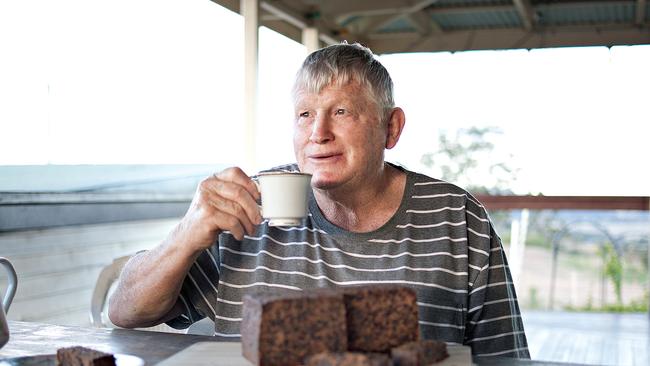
pixel 518 232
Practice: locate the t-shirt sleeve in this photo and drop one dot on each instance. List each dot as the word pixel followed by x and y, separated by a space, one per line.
pixel 493 326
pixel 198 295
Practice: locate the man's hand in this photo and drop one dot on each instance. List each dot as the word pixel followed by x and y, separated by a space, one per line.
pixel 225 201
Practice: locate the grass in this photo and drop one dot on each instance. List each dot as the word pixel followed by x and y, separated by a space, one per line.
pixel 634 306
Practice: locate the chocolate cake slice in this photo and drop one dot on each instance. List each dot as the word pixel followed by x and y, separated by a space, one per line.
pixel 82 356
pixel 380 317
pixel 419 353
pixel 283 329
pixel 348 359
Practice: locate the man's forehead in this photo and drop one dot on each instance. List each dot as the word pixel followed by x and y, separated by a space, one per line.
pixel 316 84
pixel 351 88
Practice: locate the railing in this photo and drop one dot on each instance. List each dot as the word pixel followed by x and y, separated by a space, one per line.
pixel 565 202
pixel 28 211
pixel 520 206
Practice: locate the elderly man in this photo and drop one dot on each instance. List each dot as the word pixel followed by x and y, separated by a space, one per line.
pixel 369 222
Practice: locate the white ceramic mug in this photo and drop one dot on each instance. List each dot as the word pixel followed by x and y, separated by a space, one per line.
pixel 6 301
pixel 284 197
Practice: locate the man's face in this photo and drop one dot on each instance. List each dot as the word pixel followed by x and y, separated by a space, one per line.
pixel 338 136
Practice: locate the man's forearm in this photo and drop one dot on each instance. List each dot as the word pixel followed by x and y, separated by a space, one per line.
pixel 149 285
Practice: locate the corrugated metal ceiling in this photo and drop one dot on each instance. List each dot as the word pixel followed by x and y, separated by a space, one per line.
pixel 390 26
pixel 497 18
pixel 586 13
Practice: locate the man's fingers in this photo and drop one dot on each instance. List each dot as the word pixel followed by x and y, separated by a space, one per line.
pixel 237 176
pixel 234 211
pixel 230 223
pixel 232 197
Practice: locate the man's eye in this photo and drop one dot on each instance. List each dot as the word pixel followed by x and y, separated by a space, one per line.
pixel 340 111
pixel 304 114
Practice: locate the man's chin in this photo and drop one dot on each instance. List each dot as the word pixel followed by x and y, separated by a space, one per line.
pixel 323 181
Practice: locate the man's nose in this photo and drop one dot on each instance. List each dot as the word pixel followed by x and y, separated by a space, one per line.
pixel 321 130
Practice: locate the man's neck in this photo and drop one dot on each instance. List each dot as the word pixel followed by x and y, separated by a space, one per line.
pixel 364 209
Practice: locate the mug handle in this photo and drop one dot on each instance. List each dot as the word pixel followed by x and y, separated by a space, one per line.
pixel 13 282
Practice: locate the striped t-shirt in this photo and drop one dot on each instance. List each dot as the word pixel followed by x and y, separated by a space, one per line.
pixel 439 242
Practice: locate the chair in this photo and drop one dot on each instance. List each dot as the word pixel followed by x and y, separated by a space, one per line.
pixel 204 326
pixel 105 281
pixel 103 288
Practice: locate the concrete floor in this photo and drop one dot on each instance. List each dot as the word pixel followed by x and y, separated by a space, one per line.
pixel 588 338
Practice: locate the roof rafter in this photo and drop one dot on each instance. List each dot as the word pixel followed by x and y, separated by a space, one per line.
pixel 424 23
pixel 453 10
pixel 347 9
pixel 526 13
pixel 280 14
pixel 640 12
pixel 385 20
pixel 297 20
pixel 510 38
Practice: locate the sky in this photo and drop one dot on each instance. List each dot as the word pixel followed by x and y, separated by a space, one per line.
pixel 161 82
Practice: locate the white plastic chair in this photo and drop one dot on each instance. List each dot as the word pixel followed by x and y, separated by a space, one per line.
pixel 103 288
pixel 107 277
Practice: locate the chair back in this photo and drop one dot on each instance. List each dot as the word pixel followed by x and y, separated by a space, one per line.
pixel 107 277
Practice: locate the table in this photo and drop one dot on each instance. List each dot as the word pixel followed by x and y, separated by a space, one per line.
pixel 29 339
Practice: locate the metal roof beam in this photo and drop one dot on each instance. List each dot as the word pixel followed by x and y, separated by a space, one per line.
pixel 297 20
pixel 565 5
pixel 446 10
pixel 278 11
pixel 346 9
pixel 459 10
pixel 640 12
pixel 526 13
pixel 383 21
pixel 424 23
pixel 510 38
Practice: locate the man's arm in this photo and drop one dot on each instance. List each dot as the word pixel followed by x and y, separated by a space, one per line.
pixel 493 326
pixel 148 291
pixel 149 286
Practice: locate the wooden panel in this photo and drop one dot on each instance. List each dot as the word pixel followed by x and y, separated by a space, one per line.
pixel 35 264
pixel 51 284
pixel 81 236
pixel 77 318
pixel 57 268
pixel 52 305
pixel 26 217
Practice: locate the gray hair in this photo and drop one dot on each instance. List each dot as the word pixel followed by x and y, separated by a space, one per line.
pixel 342 63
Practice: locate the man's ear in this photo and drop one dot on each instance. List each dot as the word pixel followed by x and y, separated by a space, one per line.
pixel 394 127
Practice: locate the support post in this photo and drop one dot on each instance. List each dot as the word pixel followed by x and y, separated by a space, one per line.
pixel 518 232
pixel 310 39
pixel 250 11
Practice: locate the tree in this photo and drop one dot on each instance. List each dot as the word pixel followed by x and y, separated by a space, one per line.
pixel 467 158
pixel 613 269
